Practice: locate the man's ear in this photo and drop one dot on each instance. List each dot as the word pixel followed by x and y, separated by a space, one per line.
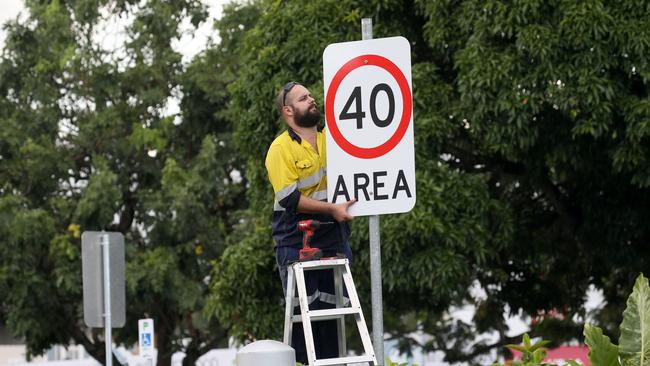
pixel 287 111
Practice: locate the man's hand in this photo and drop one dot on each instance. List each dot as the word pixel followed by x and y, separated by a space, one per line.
pixel 340 210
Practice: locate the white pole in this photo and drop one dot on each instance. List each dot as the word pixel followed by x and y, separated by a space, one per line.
pixel 107 300
pixel 375 255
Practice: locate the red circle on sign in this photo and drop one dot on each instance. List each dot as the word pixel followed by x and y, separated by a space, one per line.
pixel 347 146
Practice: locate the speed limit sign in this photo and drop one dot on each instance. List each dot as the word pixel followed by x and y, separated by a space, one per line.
pixel 369 118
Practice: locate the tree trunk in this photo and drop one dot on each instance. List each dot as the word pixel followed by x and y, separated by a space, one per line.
pixel 192 353
pixel 163 341
pixel 99 354
pixel 94 347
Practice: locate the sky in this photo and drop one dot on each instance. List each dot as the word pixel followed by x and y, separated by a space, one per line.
pixel 188 45
pixel 111 35
pixel 10 10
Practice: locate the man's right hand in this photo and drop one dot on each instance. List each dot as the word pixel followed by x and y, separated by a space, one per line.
pixel 340 210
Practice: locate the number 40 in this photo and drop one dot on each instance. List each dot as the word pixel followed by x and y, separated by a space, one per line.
pixel 359 114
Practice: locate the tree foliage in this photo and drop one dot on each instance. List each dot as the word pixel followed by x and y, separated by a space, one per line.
pixel 90 141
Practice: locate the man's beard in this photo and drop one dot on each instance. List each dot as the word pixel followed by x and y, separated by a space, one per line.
pixel 309 119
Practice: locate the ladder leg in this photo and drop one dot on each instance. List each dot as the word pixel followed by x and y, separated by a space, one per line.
pixel 361 322
pixel 340 323
pixel 288 312
pixel 304 311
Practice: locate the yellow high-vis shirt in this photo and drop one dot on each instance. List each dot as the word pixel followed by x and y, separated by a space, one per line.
pixel 295 168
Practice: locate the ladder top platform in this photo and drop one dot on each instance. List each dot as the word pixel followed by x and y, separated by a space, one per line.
pixel 323 263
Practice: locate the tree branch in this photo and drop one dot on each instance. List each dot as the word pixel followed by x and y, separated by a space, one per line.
pixel 479 349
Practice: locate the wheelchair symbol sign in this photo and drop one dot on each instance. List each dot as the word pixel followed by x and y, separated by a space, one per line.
pixel 146 340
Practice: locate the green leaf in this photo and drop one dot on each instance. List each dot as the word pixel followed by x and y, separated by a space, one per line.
pixel 538 356
pixel 526 340
pixel 538 345
pixel 601 350
pixel 516 347
pixel 634 343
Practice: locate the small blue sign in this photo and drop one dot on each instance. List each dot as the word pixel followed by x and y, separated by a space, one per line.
pixel 145 341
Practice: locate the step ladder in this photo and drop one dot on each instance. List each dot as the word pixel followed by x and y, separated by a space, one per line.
pixel 341 269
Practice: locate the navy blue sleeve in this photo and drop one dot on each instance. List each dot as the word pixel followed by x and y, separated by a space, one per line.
pixel 290 202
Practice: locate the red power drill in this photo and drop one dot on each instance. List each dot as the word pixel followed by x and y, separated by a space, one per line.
pixel 308 253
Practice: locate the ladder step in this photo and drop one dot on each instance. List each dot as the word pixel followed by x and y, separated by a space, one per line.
pixel 343 360
pixel 322 264
pixel 326 314
pixel 320 314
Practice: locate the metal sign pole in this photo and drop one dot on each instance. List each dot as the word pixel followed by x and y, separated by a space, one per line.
pixel 375 255
pixel 375 286
pixel 107 299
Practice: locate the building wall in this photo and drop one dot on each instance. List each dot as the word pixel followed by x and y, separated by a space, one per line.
pixel 6 338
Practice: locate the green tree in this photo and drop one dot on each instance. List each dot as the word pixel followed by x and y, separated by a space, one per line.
pixel 87 143
pixel 531 144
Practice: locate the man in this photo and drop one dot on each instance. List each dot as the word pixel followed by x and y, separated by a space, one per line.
pixel 296 165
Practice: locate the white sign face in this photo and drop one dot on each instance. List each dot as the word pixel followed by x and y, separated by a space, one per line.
pixel 145 338
pixel 369 117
